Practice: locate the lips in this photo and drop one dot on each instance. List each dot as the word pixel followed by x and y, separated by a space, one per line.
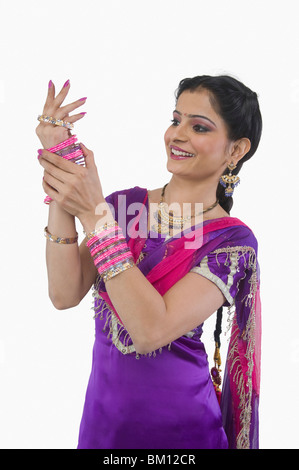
pixel 179 154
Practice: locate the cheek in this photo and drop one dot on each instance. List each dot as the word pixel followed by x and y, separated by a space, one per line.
pixel 206 145
pixel 167 136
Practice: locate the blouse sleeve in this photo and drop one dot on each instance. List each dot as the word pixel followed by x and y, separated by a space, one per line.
pixel 226 267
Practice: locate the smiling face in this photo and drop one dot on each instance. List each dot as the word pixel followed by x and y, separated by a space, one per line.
pixel 197 142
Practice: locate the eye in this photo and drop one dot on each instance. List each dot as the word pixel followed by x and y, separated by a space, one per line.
pixel 200 128
pixel 175 122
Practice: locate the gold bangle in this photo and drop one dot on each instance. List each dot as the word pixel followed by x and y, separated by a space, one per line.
pixel 100 229
pixel 60 240
pixel 119 268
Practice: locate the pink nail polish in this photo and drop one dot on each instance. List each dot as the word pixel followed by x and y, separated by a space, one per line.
pixel 66 84
pixel 50 83
pixel 83 99
pixel 83 113
pixel 40 151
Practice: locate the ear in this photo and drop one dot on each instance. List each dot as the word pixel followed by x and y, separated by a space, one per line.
pixel 239 149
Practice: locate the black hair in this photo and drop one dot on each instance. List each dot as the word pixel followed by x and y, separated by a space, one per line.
pixel 238 106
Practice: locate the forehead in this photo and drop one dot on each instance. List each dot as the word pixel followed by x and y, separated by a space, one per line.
pixel 197 102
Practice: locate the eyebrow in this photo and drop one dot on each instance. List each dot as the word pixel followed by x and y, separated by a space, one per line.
pixel 195 116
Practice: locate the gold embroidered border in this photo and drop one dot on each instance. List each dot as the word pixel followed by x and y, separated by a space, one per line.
pixel 119 335
pixel 245 396
pixel 204 270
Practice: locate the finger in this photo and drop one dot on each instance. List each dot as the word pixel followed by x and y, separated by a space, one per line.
pixel 50 95
pixel 65 110
pixel 75 117
pixel 57 161
pixel 62 94
pixel 52 170
pixel 53 182
pixel 51 192
pixel 89 156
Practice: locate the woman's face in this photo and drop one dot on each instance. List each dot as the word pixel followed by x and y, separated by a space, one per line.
pixel 201 134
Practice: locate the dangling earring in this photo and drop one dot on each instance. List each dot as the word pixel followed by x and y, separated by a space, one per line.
pixel 230 181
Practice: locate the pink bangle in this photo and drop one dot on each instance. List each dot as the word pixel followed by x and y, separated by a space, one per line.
pixel 63 144
pixel 110 252
pixel 77 156
pixel 101 246
pixel 72 155
pixel 111 263
pixel 116 228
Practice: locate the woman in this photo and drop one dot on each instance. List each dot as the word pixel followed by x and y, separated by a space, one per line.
pixel 159 273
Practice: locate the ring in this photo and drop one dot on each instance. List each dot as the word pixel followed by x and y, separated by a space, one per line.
pixel 56 122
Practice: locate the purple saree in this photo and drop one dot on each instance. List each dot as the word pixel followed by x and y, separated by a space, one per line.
pixel 166 399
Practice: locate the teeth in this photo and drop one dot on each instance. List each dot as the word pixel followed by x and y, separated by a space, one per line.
pixel 183 154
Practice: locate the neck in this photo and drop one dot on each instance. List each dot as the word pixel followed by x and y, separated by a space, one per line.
pixel 182 190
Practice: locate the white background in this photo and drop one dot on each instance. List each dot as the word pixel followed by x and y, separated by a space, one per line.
pixel 128 57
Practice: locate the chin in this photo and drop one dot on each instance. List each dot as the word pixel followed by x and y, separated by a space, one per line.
pixel 176 168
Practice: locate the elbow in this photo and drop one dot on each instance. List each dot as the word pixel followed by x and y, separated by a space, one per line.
pixel 62 303
pixel 152 337
pixel 147 344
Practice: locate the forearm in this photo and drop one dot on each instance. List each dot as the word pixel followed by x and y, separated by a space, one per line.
pixel 63 261
pixel 139 305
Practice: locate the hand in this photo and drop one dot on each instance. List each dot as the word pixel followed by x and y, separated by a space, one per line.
pixel 75 188
pixel 49 134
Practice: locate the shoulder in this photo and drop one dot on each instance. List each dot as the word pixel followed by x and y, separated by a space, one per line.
pixel 133 194
pixel 235 233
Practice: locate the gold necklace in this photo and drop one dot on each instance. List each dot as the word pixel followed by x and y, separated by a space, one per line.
pixel 166 221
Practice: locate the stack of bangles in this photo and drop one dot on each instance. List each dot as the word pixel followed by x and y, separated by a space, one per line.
pixel 69 150
pixel 108 248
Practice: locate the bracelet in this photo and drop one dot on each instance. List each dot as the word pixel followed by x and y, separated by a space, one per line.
pixel 60 240
pixel 101 229
pixel 56 122
pixel 117 269
pixel 69 150
pixel 64 144
pixel 66 150
pixel 109 250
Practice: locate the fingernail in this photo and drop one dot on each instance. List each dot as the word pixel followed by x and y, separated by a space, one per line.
pixel 50 83
pixel 83 114
pixel 40 151
pixel 83 99
pixel 66 84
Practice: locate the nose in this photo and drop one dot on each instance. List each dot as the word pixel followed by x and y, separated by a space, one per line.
pixel 180 133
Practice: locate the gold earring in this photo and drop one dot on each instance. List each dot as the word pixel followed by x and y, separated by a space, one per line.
pixel 230 181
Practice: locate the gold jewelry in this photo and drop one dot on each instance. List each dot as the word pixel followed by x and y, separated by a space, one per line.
pixel 119 268
pixel 60 240
pixel 168 220
pixel 54 121
pixel 100 229
pixel 230 181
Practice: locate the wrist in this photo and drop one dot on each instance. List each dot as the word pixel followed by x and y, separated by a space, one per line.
pixel 92 221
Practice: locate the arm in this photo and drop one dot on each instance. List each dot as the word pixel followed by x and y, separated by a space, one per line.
pixel 70 268
pixel 71 271
pixel 154 321
pixel 151 320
